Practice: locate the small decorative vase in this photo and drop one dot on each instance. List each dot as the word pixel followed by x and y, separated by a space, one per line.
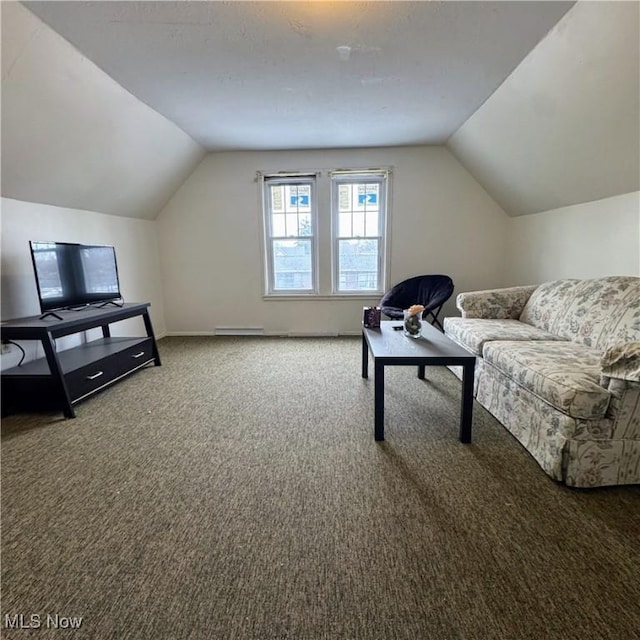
pixel 412 324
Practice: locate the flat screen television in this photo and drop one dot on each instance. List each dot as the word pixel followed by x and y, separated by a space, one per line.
pixel 74 275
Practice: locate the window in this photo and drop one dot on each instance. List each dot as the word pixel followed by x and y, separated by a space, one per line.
pixel 359 210
pixel 290 234
pixel 325 234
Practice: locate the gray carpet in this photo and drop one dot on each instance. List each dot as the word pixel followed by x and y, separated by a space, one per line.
pixel 237 492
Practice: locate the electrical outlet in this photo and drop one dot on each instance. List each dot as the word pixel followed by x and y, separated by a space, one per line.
pixel 6 347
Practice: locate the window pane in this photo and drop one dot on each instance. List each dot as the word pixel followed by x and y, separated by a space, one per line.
pixel 344 197
pixel 292 265
pixel 344 224
pixel 277 225
pixel 292 224
pixel 368 197
pixel 298 198
pixel 358 224
pixel 372 222
pixel 359 210
pixel 277 198
pixel 304 224
pixel 357 265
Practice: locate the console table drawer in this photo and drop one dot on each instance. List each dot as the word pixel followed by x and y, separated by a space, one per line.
pixel 100 373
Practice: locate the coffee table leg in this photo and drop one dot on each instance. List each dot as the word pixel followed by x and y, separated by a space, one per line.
pixel 365 357
pixel 466 409
pixel 421 369
pixel 379 400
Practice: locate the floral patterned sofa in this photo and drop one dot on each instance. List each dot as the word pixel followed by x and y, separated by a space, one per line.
pixel 559 366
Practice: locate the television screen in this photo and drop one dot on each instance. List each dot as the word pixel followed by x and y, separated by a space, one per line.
pixel 74 275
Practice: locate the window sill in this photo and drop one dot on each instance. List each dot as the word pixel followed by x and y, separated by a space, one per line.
pixel 287 297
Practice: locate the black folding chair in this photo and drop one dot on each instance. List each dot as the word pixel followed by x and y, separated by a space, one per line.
pixel 430 291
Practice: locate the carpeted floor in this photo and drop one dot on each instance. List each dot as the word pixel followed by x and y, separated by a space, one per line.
pixel 237 492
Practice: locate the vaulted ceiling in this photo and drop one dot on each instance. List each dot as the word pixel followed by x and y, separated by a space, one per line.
pixel 109 106
pixel 306 75
pixel 564 127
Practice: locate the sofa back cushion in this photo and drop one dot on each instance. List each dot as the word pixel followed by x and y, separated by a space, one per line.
pixel 547 303
pixel 623 325
pixel 597 313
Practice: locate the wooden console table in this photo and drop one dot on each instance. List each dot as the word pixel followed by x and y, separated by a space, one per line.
pixel 62 378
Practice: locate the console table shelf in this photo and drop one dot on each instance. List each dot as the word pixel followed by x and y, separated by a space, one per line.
pixel 61 379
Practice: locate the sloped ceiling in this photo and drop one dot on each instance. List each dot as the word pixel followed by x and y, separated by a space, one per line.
pixel 72 137
pixel 268 75
pixel 564 128
pixel 561 129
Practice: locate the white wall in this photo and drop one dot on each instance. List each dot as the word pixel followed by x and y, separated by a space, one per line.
pixel 210 238
pixel 73 137
pixel 582 241
pixel 136 246
pixel 564 127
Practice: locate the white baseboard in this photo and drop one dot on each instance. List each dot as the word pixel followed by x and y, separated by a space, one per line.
pixel 257 331
pixel 312 334
pixel 178 334
pixel 239 331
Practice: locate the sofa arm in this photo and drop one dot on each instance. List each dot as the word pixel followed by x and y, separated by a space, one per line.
pixel 620 375
pixel 621 362
pixel 624 409
pixel 494 303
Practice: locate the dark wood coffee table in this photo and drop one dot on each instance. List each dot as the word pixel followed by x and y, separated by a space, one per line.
pixel 391 347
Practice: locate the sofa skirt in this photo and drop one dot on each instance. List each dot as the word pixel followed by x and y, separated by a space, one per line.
pixel 555 440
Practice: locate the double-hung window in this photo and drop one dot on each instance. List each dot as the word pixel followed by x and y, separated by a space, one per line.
pixel 325 233
pixel 359 223
pixel 291 238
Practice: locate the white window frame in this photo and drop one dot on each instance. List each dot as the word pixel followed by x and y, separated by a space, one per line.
pixel 380 177
pixel 269 237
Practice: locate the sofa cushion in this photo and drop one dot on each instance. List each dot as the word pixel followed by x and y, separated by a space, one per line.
pixel 472 333
pixel 565 375
pixel 624 322
pixel 596 313
pixel 547 303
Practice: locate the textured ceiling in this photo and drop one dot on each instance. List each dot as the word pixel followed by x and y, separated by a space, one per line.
pixel 268 75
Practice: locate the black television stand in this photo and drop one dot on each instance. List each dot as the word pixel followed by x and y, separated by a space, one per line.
pixel 62 379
